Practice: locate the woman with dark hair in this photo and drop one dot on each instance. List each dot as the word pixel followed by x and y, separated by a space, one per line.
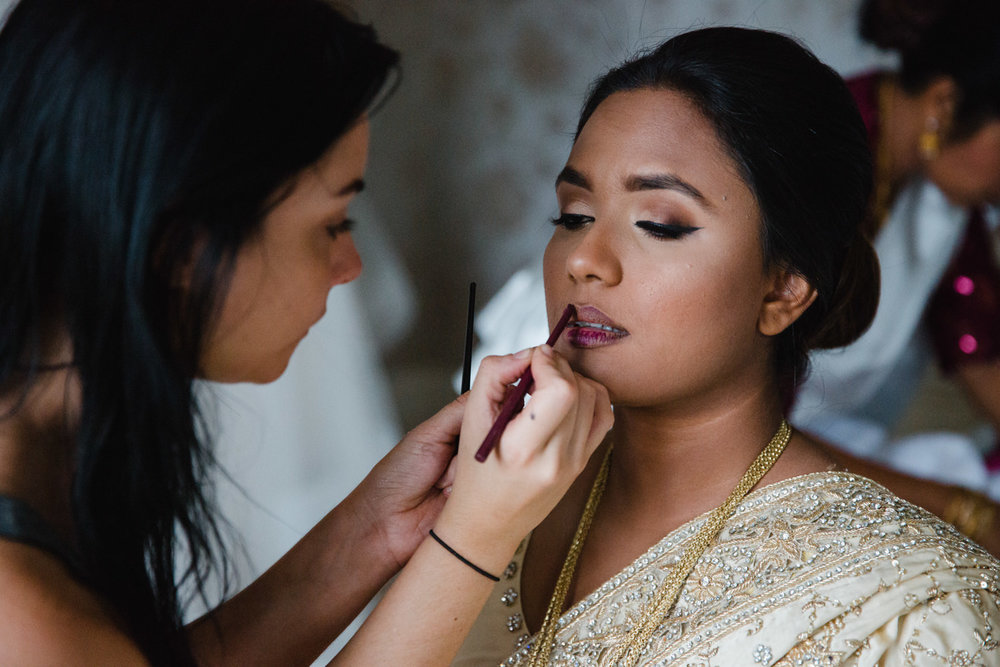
pixel 710 236
pixel 934 128
pixel 174 185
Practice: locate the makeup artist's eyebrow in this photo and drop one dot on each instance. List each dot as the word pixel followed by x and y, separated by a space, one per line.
pixel 572 177
pixel 352 188
pixel 665 182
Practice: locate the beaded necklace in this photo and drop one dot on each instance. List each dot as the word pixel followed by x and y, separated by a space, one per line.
pixel 639 635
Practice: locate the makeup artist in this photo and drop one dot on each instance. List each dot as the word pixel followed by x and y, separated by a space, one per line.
pixel 174 187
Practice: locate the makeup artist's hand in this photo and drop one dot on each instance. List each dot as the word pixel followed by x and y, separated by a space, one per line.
pixel 404 493
pixel 496 503
pixel 431 605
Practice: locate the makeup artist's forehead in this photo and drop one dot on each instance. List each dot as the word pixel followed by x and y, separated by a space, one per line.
pixel 657 133
pixel 341 167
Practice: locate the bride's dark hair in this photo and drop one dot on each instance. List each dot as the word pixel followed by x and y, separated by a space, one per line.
pixel 794 132
pixel 140 145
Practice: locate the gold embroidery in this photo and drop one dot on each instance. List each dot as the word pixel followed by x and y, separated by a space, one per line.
pixel 707 582
pixel 804 572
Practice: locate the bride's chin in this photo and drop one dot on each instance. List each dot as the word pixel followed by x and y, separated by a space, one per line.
pixel 620 382
pixel 617 393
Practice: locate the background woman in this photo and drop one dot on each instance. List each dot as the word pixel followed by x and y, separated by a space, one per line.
pixel 934 128
pixel 709 236
pixel 174 186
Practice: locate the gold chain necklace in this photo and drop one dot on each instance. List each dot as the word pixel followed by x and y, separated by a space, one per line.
pixel 547 635
pixel 629 651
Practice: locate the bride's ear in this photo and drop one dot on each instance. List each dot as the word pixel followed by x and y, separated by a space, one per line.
pixel 788 298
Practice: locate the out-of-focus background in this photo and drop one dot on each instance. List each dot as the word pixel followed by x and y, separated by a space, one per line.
pixel 465 154
pixel 463 160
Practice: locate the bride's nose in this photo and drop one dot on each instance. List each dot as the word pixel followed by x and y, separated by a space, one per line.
pixel 595 256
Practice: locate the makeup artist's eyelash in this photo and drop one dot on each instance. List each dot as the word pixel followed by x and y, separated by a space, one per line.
pixel 572 221
pixel 336 230
pixel 665 231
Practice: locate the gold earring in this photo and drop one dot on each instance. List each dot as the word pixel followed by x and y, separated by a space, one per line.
pixel 930 140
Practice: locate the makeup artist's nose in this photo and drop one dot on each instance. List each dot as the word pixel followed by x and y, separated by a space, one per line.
pixel 345 262
pixel 594 256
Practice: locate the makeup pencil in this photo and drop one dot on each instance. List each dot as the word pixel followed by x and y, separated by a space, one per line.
pixel 515 399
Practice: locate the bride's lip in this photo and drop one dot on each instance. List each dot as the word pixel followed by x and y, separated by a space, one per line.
pixel 592 328
pixel 591 317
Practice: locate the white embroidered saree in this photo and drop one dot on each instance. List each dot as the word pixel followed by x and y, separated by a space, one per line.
pixel 822 569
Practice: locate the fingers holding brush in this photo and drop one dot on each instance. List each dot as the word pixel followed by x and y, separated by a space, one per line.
pixel 571 413
pixel 495 381
pixel 544 448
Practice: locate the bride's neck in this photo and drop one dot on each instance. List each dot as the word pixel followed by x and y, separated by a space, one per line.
pixel 688 463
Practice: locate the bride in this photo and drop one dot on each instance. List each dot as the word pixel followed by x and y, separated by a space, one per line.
pixel 709 238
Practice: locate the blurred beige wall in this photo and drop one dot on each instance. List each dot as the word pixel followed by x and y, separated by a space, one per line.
pixel 465 153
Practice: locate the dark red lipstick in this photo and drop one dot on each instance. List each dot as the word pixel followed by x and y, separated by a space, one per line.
pixel 592 328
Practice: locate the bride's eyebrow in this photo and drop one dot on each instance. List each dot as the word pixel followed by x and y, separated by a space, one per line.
pixel 571 176
pixel 673 182
pixel 638 183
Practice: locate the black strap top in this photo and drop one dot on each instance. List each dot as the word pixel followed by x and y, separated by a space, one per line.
pixel 20 523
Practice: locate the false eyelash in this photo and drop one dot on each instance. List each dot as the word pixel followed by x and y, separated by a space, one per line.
pixel 572 221
pixel 665 231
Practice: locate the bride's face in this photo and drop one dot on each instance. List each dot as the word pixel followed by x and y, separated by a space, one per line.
pixel 658 245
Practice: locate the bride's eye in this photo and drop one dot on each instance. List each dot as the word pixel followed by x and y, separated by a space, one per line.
pixel 666 231
pixel 572 221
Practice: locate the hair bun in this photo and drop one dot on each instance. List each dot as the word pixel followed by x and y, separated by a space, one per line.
pixel 899 25
pixel 852 306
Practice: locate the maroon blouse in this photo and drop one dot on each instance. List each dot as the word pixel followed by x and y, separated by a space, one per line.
pixel 963 314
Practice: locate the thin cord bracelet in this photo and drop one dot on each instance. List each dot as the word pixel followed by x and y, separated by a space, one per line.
pixel 462 558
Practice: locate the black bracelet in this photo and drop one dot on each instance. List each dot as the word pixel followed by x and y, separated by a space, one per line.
pixel 463 558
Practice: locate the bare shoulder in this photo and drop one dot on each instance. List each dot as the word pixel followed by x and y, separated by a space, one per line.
pixel 46 617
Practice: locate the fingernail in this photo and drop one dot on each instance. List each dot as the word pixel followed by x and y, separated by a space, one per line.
pixel 546 350
pixel 523 354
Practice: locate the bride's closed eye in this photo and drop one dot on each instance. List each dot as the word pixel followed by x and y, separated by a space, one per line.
pixel 572 221
pixel 658 230
pixel 666 231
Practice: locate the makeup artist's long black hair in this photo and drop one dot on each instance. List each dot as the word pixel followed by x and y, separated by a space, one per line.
pixel 140 140
pixel 790 125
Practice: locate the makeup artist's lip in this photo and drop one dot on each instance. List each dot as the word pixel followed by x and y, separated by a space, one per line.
pixel 592 328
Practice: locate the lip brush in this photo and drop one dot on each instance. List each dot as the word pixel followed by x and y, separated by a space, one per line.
pixel 469 326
